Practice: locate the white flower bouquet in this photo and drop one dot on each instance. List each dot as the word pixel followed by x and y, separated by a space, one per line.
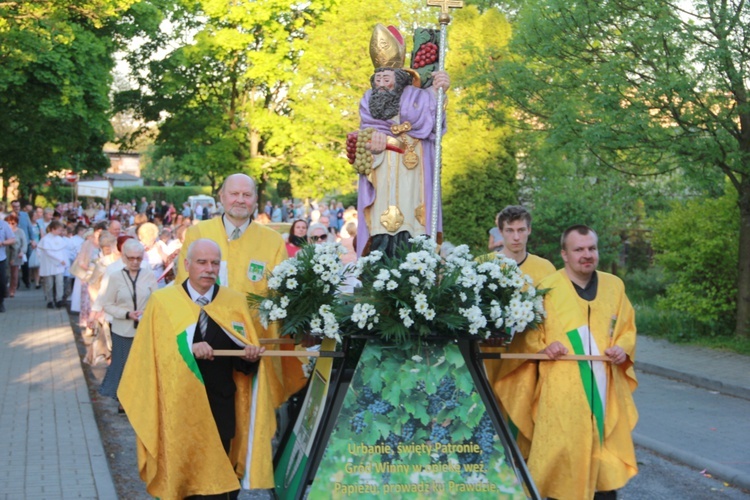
pixel 302 292
pixel 415 293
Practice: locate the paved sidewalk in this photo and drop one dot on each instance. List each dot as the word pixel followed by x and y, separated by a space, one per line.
pixel 724 372
pixel 51 447
pixel 700 426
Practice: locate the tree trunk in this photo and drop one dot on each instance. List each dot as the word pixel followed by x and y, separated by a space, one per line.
pixel 262 181
pixel 743 279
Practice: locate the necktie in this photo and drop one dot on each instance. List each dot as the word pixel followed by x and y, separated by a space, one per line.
pixel 235 233
pixel 203 318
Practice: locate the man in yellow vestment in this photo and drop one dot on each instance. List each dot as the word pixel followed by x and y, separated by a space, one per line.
pixel 514 223
pixel 249 251
pixel 201 423
pixel 583 411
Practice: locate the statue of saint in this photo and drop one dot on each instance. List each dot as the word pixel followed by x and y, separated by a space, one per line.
pixel 395 199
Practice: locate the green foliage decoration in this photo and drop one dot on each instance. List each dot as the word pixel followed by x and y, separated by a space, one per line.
pixel 413 294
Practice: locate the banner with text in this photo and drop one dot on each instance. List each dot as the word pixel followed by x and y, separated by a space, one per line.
pixel 413 425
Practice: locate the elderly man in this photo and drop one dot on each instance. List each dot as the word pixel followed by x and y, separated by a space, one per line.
pixel 249 252
pixel 115 228
pixel 202 422
pixel 583 412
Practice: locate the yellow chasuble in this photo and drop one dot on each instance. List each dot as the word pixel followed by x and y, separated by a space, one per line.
pixel 520 393
pixel 583 413
pixel 179 449
pixel 245 265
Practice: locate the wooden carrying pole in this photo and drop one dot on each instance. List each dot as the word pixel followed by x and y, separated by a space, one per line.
pixel 543 357
pixel 276 354
pixel 317 354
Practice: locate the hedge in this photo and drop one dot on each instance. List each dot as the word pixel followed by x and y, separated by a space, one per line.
pixel 174 194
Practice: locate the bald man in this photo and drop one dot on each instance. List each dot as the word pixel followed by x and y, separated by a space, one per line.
pixel 115 228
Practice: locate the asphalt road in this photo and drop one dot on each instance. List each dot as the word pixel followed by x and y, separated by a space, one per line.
pixel 700 427
pixel 662 479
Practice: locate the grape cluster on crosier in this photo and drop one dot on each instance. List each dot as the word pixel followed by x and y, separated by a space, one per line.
pixel 427 54
pixel 356 151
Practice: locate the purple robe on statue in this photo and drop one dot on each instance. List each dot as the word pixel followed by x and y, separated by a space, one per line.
pixel 418 107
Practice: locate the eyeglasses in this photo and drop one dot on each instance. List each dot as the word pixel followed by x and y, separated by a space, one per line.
pixel 133 259
pixel 322 237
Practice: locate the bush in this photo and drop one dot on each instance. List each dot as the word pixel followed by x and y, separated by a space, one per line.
pixel 173 194
pixel 676 326
pixel 697 245
pixel 645 285
pixel 473 199
pixel 564 201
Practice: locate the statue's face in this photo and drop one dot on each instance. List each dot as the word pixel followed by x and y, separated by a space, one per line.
pixel 385 80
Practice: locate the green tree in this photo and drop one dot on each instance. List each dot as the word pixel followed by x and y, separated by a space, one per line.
pixel 695 244
pixel 160 170
pixel 645 86
pixel 563 192
pixel 479 168
pixel 55 64
pixel 220 96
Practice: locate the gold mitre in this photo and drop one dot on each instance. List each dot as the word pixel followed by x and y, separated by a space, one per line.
pixel 387 49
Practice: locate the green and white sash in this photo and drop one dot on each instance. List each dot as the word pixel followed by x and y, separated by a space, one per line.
pixel 593 374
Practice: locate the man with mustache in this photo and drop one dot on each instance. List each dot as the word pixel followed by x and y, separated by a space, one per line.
pixel 203 423
pixel 249 252
pixel 395 199
pixel 583 411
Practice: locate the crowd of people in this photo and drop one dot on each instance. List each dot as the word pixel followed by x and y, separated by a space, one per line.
pixel 62 231
pixel 72 252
